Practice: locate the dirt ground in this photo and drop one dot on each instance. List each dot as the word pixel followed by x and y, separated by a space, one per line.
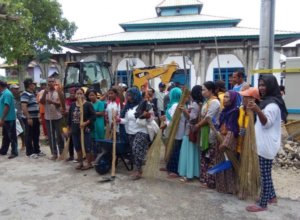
pixel 43 189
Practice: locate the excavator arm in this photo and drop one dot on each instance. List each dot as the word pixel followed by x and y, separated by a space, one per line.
pixel 165 72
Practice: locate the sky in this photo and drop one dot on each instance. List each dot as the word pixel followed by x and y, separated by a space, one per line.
pixel 100 17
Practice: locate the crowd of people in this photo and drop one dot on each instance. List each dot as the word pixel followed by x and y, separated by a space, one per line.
pixel 209 111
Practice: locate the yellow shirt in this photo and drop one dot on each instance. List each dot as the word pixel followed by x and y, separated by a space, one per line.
pixel 243 122
pixel 221 98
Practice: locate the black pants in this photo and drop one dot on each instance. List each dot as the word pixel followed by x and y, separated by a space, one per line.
pixel 9 135
pixel 71 147
pixel 32 135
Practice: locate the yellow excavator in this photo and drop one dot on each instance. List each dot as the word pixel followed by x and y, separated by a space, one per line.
pixel 165 72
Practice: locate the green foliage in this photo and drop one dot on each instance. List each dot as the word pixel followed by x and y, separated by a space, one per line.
pixel 40 29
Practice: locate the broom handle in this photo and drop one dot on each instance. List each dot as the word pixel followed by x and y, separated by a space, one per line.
pixel 211 126
pixel 225 155
pixel 82 129
pixel 113 163
pixel 219 137
pixel 244 126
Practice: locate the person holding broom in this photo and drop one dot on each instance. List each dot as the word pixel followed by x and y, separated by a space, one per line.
pixel 189 165
pixel 270 112
pixel 74 126
pixel 51 99
pixel 137 133
pixel 98 131
pixel 172 164
pixel 210 108
pixel 248 176
pixel 229 129
pixel 68 102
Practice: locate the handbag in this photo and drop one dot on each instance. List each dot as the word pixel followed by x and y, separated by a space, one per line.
pixel 193 133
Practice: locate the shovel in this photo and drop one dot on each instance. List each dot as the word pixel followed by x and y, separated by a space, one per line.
pixel 221 166
pixel 113 161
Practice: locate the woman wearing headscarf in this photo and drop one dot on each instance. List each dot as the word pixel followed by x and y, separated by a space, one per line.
pixel 211 109
pixel 188 167
pixel 229 129
pixel 172 165
pixel 269 114
pixel 137 133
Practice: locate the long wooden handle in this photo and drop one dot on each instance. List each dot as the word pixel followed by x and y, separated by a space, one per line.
pixel 113 162
pixel 211 126
pixel 82 129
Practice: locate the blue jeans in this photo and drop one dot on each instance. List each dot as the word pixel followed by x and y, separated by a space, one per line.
pixel 87 142
pixel 9 134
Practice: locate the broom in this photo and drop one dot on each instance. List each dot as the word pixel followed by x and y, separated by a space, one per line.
pixel 82 129
pixel 64 154
pixel 174 125
pixel 249 174
pixel 153 157
pixel 230 154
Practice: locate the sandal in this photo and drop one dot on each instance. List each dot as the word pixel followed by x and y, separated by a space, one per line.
pixel 163 169
pixel 79 166
pixel 172 175
pixel 87 167
pixel 184 180
pixel 255 208
pixel 136 175
pixel 203 185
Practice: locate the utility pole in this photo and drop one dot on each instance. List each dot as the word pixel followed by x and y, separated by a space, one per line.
pixel 266 38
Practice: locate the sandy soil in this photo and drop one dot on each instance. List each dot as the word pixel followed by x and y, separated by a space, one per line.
pixel 43 189
pixel 287 183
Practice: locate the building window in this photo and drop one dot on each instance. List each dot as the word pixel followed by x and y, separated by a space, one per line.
pixel 226 73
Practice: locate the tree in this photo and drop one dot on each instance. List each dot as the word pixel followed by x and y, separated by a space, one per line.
pixel 40 28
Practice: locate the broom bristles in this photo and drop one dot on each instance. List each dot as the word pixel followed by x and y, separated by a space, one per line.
pixel 153 157
pixel 230 154
pixel 249 174
pixel 174 125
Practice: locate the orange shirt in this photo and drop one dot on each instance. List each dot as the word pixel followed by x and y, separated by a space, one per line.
pixel 42 107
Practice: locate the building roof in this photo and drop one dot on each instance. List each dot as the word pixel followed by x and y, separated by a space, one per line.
pixel 172 26
pixel 181 18
pixel 175 3
pixel 167 7
pixel 173 36
pixel 180 22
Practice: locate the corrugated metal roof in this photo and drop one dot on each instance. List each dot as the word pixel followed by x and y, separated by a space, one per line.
pixel 179 18
pixel 179 35
pixel 174 3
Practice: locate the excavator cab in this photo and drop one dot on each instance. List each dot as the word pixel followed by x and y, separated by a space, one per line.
pixel 91 74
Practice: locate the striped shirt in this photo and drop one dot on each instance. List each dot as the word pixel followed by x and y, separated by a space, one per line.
pixel 32 104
